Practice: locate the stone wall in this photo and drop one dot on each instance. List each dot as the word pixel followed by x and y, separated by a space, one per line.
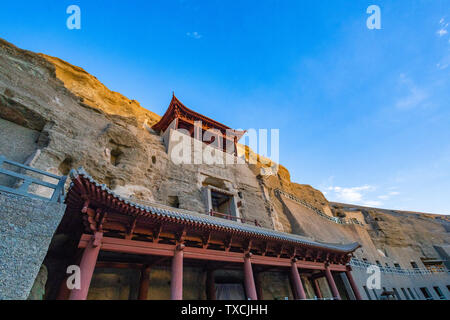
pixel 26 229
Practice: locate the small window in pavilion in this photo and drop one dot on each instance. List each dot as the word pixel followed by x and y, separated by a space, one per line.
pixel 414 265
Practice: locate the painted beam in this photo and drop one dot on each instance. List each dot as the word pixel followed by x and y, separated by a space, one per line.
pixel 167 250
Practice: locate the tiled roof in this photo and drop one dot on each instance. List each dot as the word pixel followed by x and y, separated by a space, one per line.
pixel 198 218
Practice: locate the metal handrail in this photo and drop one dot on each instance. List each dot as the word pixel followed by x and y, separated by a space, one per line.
pixel 23 189
pixel 337 220
pixel 213 213
pixel 410 272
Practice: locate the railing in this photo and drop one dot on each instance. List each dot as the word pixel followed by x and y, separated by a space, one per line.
pixel 211 213
pixel 408 272
pixel 27 180
pixel 319 212
pixel 233 218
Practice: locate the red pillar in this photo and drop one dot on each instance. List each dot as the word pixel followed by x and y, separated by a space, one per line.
pixel 87 266
pixel 258 285
pixel 176 284
pixel 316 287
pixel 297 282
pixel 144 283
pixel 210 285
pixel 332 284
pixel 64 292
pixel 349 275
pixel 250 288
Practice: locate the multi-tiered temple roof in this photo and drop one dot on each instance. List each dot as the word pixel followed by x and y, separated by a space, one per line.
pixel 181 117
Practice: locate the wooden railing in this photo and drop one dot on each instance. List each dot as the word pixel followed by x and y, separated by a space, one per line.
pixel 213 213
pixel 27 180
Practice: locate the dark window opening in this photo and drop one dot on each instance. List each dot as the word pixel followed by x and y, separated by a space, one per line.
pixel 221 203
pixel 405 294
pixel 397 295
pixel 411 294
pixel 367 292
pixel 173 201
pixel 426 293
pixel 397 266
pixel 414 265
pixel 375 293
pixel 116 155
pixel 439 293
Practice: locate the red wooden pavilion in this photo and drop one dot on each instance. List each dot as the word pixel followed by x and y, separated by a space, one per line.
pixel 105 222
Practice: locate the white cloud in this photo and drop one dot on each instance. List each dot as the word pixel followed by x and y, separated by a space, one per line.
pixel 360 195
pixel 372 203
pixel 194 35
pixel 442 32
pixel 415 95
pixel 352 195
pixel 388 195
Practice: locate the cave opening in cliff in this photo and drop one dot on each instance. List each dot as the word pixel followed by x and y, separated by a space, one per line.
pixel 116 155
pixel 221 203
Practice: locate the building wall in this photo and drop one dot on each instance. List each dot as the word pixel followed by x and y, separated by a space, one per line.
pixel 398 281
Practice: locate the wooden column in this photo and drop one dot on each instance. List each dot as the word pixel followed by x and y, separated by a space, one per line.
pixel 250 288
pixel 144 283
pixel 315 283
pixel 258 285
pixel 331 283
pixel 64 292
pixel 297 282
pixel 176 284
pixel 355 289
pixel 210 285
pixel 87 266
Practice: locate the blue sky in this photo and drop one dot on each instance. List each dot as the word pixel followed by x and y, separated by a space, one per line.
pixel 363 114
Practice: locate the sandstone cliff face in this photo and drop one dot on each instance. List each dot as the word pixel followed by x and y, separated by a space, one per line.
pixel 94 94
pixel 67 119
